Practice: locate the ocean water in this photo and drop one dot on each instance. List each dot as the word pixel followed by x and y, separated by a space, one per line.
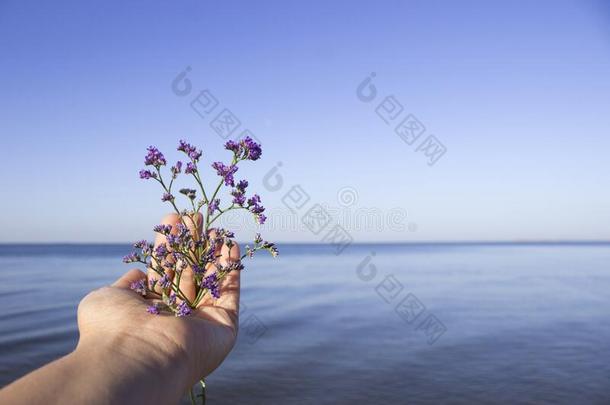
pixel 382 324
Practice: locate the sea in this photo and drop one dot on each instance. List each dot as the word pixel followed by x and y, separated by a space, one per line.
pixel 452 323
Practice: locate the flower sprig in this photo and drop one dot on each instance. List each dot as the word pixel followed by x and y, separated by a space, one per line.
pixel 193 242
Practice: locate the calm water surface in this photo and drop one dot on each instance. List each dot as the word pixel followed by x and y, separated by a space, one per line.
pixel 452 323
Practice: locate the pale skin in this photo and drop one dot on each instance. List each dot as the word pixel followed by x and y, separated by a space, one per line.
pixel 125 355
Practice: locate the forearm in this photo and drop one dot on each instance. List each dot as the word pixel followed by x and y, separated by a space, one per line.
pixel 108 373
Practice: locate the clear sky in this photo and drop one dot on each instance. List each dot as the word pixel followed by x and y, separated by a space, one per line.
pixel 517 91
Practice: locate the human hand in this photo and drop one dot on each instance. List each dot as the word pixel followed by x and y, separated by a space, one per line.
pixel 125 355
pixel 203 339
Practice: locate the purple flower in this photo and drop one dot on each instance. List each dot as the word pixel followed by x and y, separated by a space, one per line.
pixel 165 282
pixel 255 207
pixel 176 169
pixel 131 258
pixel 181 248
pixel 195 155
pixel 252 150
pixel 208 257
pixel 211 283
pixel 238 198
pixel 167 197
pixel 181 266
pixel 140 244
pixel 161 251
pixel 183 231
pixel 225 233
pixel 254 204
pixel 145 246
pixel 183 309
pixel 246 149
pixel 234 266
pixel 232 146
pixel 238 193
pixel 153 309
pixel 184 146
pixel 163 229
pixel 173 240
pixel 242 185
pixel 225 172
pixel 147 250
pixel 271 248
pixel 258 238
pixel 147 174
pixel 189 192
pixel 190 150
pixel 138 286
pixel 213 206
pixel 274 252
pixel 190 168
pixel 154 157
pixel 221 234
pixel 198 269
pixel 229 181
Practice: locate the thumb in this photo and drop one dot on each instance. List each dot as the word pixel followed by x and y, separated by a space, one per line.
pixel 126 279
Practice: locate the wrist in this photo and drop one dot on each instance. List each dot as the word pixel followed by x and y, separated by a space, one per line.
pixel 129 366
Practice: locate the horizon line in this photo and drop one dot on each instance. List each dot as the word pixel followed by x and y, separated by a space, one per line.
pixel 420 242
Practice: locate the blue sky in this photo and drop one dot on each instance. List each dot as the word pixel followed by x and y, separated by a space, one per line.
pixel 518 92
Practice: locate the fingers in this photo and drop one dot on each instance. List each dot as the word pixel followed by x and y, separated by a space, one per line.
pixel 173 220
pixel 209 269
pixel 126 279
pixel 230 285
pixel 187 284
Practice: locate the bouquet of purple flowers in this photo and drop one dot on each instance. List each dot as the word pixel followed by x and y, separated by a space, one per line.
pixel 192 247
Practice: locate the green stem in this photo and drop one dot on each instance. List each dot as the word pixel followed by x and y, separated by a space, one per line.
pixel 256 248
pixel 203 394
pixel 220 212
pixel 169 191
pixel 203 291
pixel 207 218
pixel 207 215
pixel 198 179
pixel 192 396
pixel 175 287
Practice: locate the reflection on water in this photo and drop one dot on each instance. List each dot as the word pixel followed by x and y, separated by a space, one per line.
pixel 520 323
